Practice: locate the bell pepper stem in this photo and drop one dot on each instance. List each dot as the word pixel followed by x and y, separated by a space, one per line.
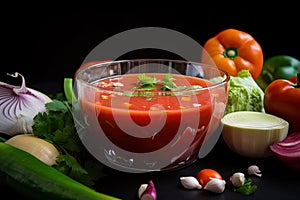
pixel 297 85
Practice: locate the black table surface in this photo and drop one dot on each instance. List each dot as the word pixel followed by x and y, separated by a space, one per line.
pixel 277 181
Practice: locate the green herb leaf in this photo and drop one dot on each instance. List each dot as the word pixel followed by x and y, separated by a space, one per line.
pixel 57 126
pixel 247 188
pixel 68 164
pixel 147 82
pixel 57 105
pixel 168 83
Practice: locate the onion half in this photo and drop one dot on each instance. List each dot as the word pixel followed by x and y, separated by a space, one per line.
pixel 250 133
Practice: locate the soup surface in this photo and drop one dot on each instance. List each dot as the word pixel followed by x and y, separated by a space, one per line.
pixel 141 117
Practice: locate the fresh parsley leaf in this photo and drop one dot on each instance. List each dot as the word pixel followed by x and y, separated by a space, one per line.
pixel 57 126
pixel 167 83
pixel 247 188
pixel 147 82
pixel 57 105
pixel 69 164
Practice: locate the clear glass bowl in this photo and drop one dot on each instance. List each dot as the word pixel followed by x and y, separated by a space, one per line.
pixel 148 114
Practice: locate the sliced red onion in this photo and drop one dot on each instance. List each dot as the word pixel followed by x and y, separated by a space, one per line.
pixel 291 140
pixel 18 106
pixel 288 150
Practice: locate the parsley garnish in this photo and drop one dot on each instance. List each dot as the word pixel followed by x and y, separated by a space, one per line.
pixel 57 126
pixel 147 82
pixel 247 188
pixel 167 83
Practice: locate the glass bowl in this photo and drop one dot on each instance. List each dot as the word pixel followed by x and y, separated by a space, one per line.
pixel 148 114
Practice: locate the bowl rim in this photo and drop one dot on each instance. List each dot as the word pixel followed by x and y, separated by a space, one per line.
pixel 107 63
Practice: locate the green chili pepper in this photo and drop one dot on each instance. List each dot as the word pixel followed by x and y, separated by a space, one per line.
pixel 278 67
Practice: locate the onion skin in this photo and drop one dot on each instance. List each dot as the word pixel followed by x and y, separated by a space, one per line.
pixel 288 151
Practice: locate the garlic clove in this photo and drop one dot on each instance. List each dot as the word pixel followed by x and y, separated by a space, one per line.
pixel 237 179
pixel 190 182
pixel 142 189
pixel 215 185
pixel 254 170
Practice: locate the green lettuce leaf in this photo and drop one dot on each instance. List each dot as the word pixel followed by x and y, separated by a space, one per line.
pixel 244 94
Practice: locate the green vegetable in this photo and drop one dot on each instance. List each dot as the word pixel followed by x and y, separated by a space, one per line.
pixel 68 89
pixel 244 94
pixel 278 67
pixel 247 188
pixel 147 82
pixel 167 83
pixel 35 179
pixel 57 126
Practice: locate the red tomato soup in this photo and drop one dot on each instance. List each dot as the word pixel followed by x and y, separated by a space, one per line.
pixel 153 117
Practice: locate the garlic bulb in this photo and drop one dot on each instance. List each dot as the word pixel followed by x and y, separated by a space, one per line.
pixel 215 185
pixel 190 182
pixel 18 106
pixel 237 179
pixel 254 170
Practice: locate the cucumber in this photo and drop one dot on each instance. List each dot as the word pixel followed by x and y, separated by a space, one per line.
pixel 34 179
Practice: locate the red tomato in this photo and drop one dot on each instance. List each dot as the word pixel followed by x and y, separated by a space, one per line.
pixel 204 176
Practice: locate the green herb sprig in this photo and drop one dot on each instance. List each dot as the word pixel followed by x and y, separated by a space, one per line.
pixel 57 126
pixel 247 188
pixel 167 83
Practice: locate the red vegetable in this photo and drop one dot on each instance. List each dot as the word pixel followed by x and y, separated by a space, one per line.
pixel 205 175
pixel 282 98
pixel 288 150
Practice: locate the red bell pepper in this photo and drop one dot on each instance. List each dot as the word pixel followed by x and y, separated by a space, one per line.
pixel 282 98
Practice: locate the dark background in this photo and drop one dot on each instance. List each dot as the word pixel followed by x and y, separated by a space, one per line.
pixel 46 43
